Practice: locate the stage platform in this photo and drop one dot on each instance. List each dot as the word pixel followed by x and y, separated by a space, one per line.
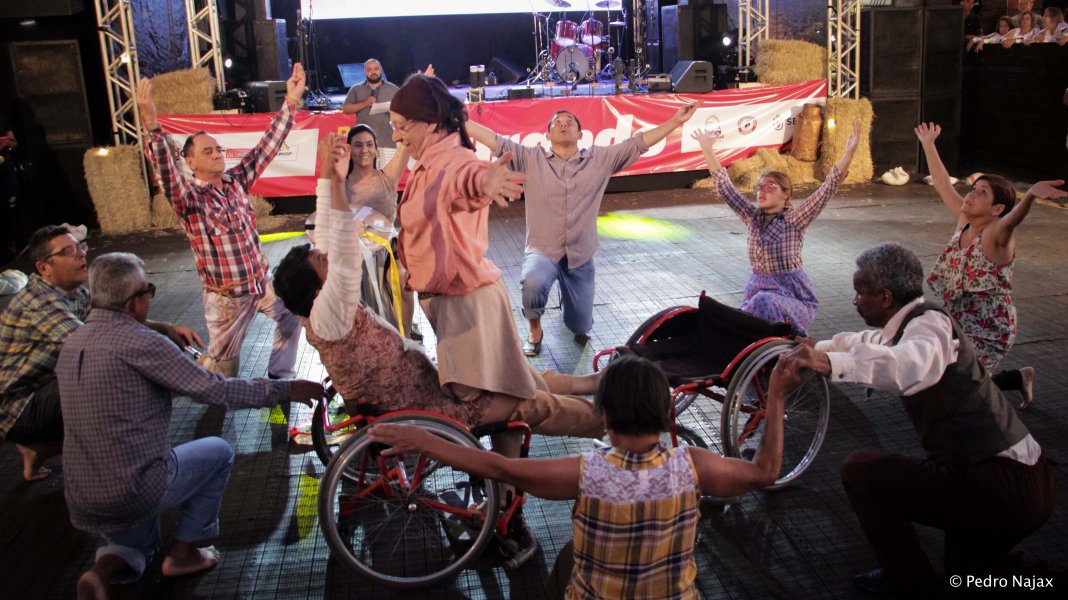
pixel 802 542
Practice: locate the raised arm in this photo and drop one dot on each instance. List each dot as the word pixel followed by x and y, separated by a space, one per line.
pixel 745 210
pixel 805 212
pixel 551 478
pixel 1003 228
pixel 483 135
pixel 927 134
pixel 661 131
pixel 257 159
pixel 850 149
pixel 394 169
pixel 707 140
pixel 719 476
pixel 158 151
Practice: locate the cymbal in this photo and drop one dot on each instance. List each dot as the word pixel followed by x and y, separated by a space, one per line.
pixel 610 4
pixel 559 3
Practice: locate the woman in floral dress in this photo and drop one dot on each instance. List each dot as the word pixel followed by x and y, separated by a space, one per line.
pixel 778 289
pixel 973 274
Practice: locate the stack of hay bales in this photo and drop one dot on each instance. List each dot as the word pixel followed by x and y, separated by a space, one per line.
pixel 185 92
pixel 117 188
pixel 791 61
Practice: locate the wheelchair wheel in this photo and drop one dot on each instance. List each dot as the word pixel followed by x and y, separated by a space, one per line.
pixel 332 409
pixel 807 413
pixel 405 521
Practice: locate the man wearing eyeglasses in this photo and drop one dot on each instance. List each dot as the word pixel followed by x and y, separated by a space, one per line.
pixel 219 220
pixel 117 379
pixel 34 325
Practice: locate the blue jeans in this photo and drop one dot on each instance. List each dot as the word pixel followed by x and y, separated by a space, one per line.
pixel 576 290
pixel 197 473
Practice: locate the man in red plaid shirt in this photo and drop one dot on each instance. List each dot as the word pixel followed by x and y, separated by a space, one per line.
pixel 219 220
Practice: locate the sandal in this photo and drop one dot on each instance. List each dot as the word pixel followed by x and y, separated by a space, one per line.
pixel 532 348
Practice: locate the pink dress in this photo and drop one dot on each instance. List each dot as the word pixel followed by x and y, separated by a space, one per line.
pixel 978 294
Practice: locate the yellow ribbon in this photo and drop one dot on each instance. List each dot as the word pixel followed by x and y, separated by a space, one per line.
pixel 394 279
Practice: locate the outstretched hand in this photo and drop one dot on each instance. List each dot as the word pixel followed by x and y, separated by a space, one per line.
pixel 306 392
pixel 684 113
pixel 339 156
pixel 326 146
pixel 501 184
pixel 928 132
pixel 854 139
pixel 145 104
pixel 400 438
pixel 704 136
pixel 785 377
pixel 295 85
pixel 1048 190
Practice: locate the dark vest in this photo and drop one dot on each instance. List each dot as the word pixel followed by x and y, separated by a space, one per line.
pixel 963 418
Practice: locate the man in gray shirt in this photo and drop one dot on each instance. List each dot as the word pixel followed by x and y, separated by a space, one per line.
pixel 363 96
pixel 563 192
pixel 116 382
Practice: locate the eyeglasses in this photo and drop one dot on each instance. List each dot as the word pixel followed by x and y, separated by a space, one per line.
pixel 769 187
pixel 401 127
pixel 70 250
pixel 149 290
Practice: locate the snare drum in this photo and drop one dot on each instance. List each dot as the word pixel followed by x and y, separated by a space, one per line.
pixel 592 32
pixel 567 30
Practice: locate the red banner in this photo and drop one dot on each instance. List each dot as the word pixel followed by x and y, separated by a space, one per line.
pixel 749 119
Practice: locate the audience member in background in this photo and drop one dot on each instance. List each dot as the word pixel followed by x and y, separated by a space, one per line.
pixel 215 209
pixel 636 502
pixel 362 96
pixel 1024 33
pixel 1054 29
pixel 117 379
pixel 778 289
pixel 1022 7
pixel 998 37
pixel 33 327
pixel 984 479
pixel 973 19
pixel 973 274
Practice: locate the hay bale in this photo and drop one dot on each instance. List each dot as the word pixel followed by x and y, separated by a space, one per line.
pixel 841 112
pixel 163 216
pixel 800 171
pixel 261 206
pixel 185 92
pixel 117 188
pixel 789 61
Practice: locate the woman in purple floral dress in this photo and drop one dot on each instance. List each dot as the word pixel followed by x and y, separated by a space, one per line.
pixel 973 274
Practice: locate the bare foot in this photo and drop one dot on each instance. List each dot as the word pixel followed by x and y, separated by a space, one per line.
pixel 90 587
pixel 186 559
pixel 31 463
pixel 1028 389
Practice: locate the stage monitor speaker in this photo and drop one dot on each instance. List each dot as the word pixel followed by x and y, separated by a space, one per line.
pixel 943 32
pixel 24 9
pixel 890 59
pixel 266 96
pixel 272 56
pixel 48 77
pixel 506 70
pixel 692 77
pixel 894 142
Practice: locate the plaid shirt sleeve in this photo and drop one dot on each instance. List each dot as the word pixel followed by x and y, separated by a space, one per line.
pixel 803 215
pixel 163 162
pixel 734 199
pixel 257 159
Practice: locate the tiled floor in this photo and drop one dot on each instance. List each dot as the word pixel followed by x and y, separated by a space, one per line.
pixel 800 542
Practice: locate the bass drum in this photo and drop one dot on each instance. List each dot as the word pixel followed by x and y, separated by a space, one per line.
pixel 575 63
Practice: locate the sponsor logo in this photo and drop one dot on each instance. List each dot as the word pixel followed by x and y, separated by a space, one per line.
pixel 780 121
pixel 712 125
pixel 747 125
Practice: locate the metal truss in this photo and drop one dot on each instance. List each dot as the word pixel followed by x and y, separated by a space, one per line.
pixel 114 22
pixel 843 48
pixel 205 49
pixel 752 27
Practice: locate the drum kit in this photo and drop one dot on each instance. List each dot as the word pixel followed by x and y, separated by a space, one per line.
pixel 572 52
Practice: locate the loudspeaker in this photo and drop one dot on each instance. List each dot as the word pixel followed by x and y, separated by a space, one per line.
pixel 48 77
pixel 692 31
pixel 944 110
pixel 692 77
pixel 40 8
pixel 890 59
pixel 943 32
pixel 266 96
pixel 506 70
pixel 272 57
pixel 894 142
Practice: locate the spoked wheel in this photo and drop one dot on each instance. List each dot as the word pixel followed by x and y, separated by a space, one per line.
pixel 807 412
pixel 406 521
pixel 331 409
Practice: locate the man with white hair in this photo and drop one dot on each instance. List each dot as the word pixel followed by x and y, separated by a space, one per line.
pixel 116 380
